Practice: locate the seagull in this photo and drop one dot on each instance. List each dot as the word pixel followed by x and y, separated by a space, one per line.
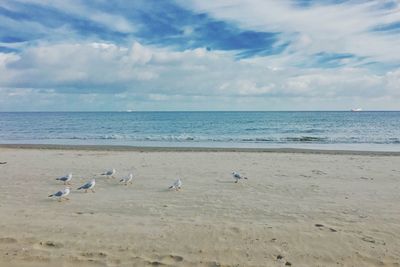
pixel 177 185
pixel 66 178
pixel 237 176
pixel 127 179
pixel 109 173
pixel 88 186
pixel 61 194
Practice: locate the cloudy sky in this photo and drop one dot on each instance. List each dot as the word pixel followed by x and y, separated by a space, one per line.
pixel 199 55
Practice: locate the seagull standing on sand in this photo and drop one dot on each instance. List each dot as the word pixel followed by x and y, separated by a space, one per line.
pixel 66 178
pixel 61 194
pixel 109 173
pixel 237 176
pixel 127 179
pixel 177 185
pixel 88 186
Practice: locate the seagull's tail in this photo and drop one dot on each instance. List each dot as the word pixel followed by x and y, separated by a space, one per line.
pixel 171 187
pixel 79 188
pixel 59 178
pixel 121 180
pixel 51 195
pixel 245 178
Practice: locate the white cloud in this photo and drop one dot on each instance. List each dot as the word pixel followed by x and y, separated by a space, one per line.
pixel 109 68
pixel 339 28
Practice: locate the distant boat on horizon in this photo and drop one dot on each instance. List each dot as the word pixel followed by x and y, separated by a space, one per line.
pixel 356 109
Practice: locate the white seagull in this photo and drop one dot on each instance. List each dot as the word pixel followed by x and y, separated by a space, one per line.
pixel 61 194
pixel 177 185
pixel 66 178
pixel 109 173
pixel 88 186
pixel 237 176
pixel 127 179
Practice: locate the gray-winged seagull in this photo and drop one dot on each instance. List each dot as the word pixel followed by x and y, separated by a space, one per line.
pixel 237 176
pixel 66 178
pixel 176 185
pixel 61 194
pixel 127 179
pixel 109 173
pixel 88 186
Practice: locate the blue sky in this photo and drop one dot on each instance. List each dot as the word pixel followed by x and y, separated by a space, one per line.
pixel 199 55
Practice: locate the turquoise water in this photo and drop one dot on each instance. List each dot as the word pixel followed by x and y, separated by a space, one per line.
pixel 331 130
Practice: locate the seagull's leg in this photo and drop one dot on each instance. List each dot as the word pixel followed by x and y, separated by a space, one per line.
pixel 85 190
pixel 93 191
pixel 60 199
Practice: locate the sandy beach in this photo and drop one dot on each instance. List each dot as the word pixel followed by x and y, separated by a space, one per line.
pixel 296 209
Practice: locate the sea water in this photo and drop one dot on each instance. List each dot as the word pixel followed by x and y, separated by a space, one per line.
pixel 323 130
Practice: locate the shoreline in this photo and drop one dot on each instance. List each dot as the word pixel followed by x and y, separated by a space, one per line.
pixel 197 149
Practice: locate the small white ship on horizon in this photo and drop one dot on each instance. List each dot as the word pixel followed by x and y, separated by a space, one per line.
pixel 356 109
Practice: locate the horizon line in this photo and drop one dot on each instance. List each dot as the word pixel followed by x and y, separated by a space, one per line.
pixel 137 111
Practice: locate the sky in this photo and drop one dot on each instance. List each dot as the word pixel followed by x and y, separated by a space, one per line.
pixel 116 55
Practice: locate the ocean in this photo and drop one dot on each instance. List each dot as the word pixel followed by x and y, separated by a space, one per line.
pixel 314 130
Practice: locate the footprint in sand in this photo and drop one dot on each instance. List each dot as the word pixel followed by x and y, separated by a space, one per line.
pixel 171 259
pixel 321 226
pixel 215 264
pixel 366 178
pixel 7 240
pixel 94 254
pixel 318 172
pixel 372 240
pixel 167 260
pixel 155 263
pixel 51 244
pixel 236 230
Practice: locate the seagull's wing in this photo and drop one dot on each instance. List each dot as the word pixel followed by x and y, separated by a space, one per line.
pixel 85 186
pixel 58 194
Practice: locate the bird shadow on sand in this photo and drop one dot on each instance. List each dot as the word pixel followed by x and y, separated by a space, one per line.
pixel 166 190
pixel 116 184
pixel 226 181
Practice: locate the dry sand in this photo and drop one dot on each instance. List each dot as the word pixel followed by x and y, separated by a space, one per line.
pixel 303 209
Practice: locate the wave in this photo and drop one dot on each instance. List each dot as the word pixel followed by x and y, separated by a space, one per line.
pixel 306 139
pixel 211 139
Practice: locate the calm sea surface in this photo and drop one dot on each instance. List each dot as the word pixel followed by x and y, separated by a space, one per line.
pixel 326 130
